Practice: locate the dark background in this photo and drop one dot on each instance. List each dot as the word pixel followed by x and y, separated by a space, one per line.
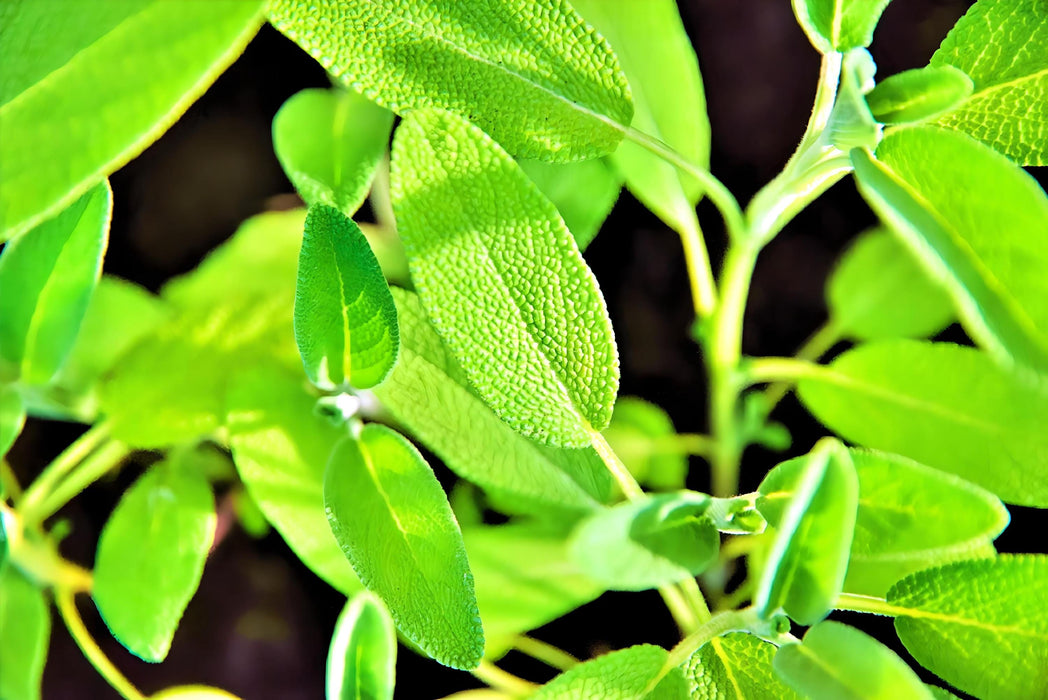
pixel 260 623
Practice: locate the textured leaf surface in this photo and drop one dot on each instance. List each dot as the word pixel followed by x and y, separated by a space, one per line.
pixel 503 281
pixel 978 222
pixel 918 94
pixel 643 437
pixel 583 193
pixel 46 280
pixel 736 666
pixel 839 25
pixel 345 320
pixel 621 675
pixel 25 631
pixel 531 73
pixel 109 79
pixel 979 624
pixel 151 556
pixel 838 662
pixel 1003 46
pixel 943 405
pixel 393 522
pixel 12 417
pixel 362 659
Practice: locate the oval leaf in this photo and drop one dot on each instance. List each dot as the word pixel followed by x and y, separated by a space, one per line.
pixel 583 193
pixel 25 631
pixel 737 666
pixel 627 674
pixel 839 25
pixel 504 286
pixel 918 94
pixel 362 658
pixel 394 524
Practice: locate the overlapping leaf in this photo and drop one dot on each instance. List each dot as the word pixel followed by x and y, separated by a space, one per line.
pixel 583 193
pixel 737 666
pixel 627 674
pixel 839 25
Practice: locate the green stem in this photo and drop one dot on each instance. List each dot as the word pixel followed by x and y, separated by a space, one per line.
pixel 825 96
pixel 696 601
pixel 686 618
pixel 630 488
pixel 75 624
pixel 720 624
pixel 9 482
pixel 869 604
pixel 548 654
pixel 815 347
pixel 37 558
pixel 761 370
pixel 697 260
pixel 86 473
pixel 63 464
pixel 503 680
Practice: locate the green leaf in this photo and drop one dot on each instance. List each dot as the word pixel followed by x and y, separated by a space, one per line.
pixel 362 660
pixel 430 394
pixel 943 405
pixel 643 437
pixel 663 72
pixel 1003 46
pixel 851 125
pixel 280 448
pixel 839 25
pixel 329 143
pixel 583 193
pixel 151 556
pixel 978 222
pixel 193 692
pixel 646 543
pixel 805 569
pixel 345 320
pixel 626 674
pixel 919 94
pixel 110 78
pixel 535 76
pixel 879 290
pixel 12 417
pixel 505 286
pixel 979 624
pixel 46 280
pixel 394 524
pixel 25 630
pixel 838 662
pixel 736 666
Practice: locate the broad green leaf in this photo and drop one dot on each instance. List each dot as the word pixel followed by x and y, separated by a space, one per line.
pixel 805 569
pixel 524 579
pixel 532 74
pixel 919 94
pixel 280 448
pixel 583 193
pixel 979 624
pixel 1003 46
pixel 736 666
pixel 839 25
pixel 663 72
pixel 329 143
pixel 25 630
pixel 345 320
pixel 46 280
pixel 879 290
pixel 627 674
pixel 838 662
pixel 109 79
pixel 946 406
pixel 429 394
pixel 646 543
pixel 643 437
pixel 151 556
pixel 978 222
pixel 12 417
pixel 505 286
pixel 362 659
pixel 394 524
pixel 941 693
pixel 193 692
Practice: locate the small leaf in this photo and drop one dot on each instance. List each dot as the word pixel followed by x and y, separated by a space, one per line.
pixel 979 624
pixel 12 417
pixel 535 76
pixel 362 659
pixel 643 437
pixel 838 662
pixel 151 556
pixel 583 193
pixel 25 631
pixel 627 674
pixel 345 320
pixel 839 25
pixel 46 280
pixel 851 125
pixel 394 524
pixel 805 569
pixel 504 286
pixel 919 94
pixel 736 666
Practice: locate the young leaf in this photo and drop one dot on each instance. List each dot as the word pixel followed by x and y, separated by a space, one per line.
pixel 736 666
pixel 851 125
pixel 627 674
pixel 648 542
pixel 979 624
pixel 329 143
pixel 505 286
pixel 1007 110
pixel 839 25
pixel 280 448
pixel 46 280
pixel 805 570
pixel 919 94
pixel 394 524
pixel 642 435
pixel 345 320
pixel 362 660
pixel 25 630
pixel 838 662
pixel 535 76
pixel 583 193
pixel 975 220
pixel 905 397
pixel 111 77
pixel 12 417
pixel 878 290
pixel 151 556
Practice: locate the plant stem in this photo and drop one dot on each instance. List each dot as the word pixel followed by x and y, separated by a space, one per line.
pixel 825 96
pixel 630 488
pixel 696 601
pixel 700 274
pixel 503 680
pixel 548 654
pixel 86 473
pixel 760 370
pixel 686 618
pixel 868 604
pixel 74 623
pixel 62 464
pixel 721 623
pixel 9 482
pixel 820 342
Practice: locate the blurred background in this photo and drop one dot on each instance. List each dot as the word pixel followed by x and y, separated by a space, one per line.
pixel 260 623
